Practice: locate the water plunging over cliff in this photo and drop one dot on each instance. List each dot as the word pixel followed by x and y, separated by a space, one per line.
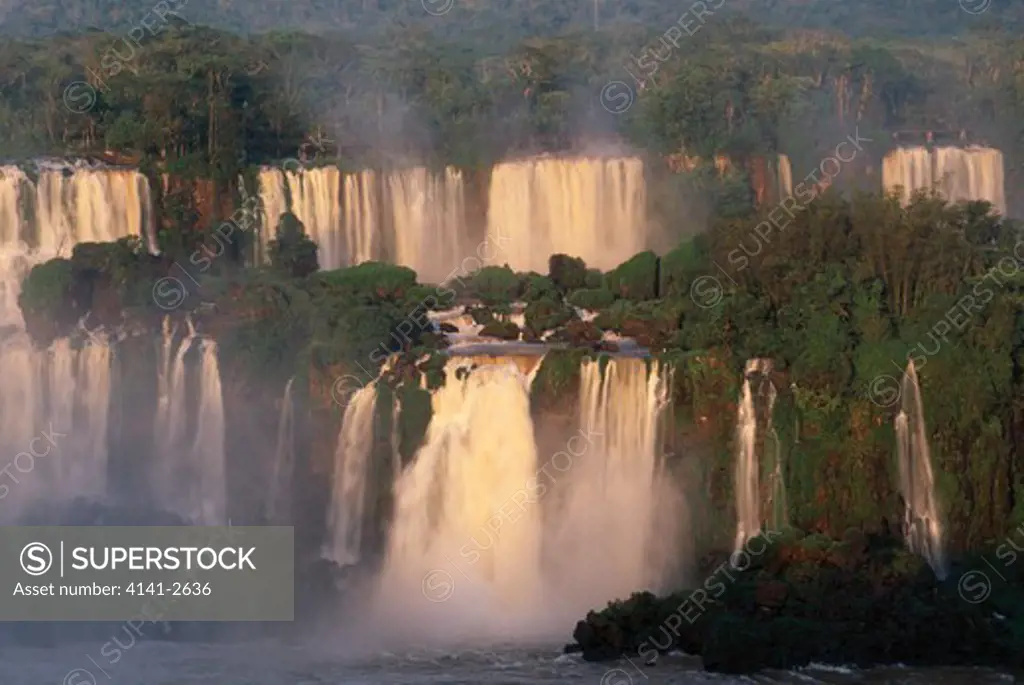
pixel 279 500
pixel 917 484
pixel 748 464
pixel 589 208
pixel 450 541
pixel 345 518
pixel 54 408
pixel 62 391
pixel 64 206
pixel 973 173
pixel 413 217
pixel 189 477
pixel 608 537
pixel 785 177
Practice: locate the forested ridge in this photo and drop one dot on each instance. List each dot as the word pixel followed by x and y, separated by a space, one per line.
pixel 213 102
pixel 839 297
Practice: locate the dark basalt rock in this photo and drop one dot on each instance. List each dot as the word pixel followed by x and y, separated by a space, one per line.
pixel 863 601
pixel 503 330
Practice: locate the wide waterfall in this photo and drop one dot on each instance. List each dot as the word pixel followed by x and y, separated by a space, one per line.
pixel 505 541
pixel 595 209
pixel 615 495
pixel 923 522
pixel 413 217
pixel 958 174
pixel 189 476
pixel 748 464
pixel 351 479
pixel 63 391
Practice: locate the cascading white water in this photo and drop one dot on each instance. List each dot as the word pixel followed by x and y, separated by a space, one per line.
pixel 413 217
pixel 748 465
pixel 451 508
pixel 785 177
pixel 959 174
pixel 917 484
pixel 63 390
pixel 475 532
pixel 209 470
pixel 345 519
pixel 608 537
pixel 590 208
pixel 54 408
pixel 188 477
pixel 363 229
pixel 748 509
pixel 429 221
pixel 278 504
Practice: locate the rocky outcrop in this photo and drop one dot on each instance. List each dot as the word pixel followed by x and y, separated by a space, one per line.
pixel 862 601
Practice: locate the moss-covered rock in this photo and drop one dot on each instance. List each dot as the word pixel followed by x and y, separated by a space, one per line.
pixel 46 299
pixel 592 299
pixel 504 330
pixel 535 287
pixel 652 324
pixel 482 316
pixel 495 285
pixel 635 279
pixel 557 379
pixel 863 600
pixel 547 314
pixel 567 273
pixel 681 266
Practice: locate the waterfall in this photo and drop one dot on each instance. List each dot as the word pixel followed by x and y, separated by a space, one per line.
pixel 959 174
pixel 65 206
pixel 590 208
pixel 283 469
pixel 54 409
pixel 917 484
pixel 748 465
pixel 189 477
pixel 64 390
pixel 429 220
pixel 785 177
pixel 413 217
pixel 209 477
pixel 615 492
pixel 345 521
pixel 450 505
pixel 363 230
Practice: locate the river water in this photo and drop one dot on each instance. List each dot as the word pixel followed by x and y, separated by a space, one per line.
pixel 274 662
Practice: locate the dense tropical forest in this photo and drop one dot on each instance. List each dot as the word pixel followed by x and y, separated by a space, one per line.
pixel 162 87
pixel 839 295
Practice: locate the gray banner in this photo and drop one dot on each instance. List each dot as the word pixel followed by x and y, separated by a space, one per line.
pixel 163 573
